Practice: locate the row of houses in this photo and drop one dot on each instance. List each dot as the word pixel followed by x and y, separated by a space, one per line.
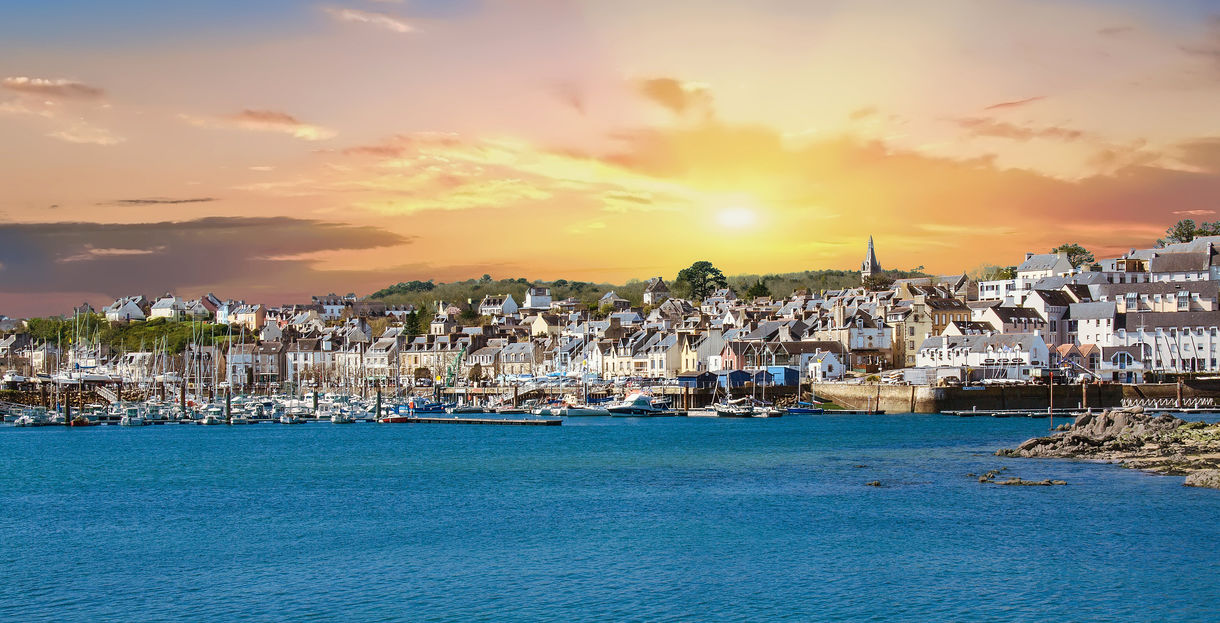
pixel 1148 310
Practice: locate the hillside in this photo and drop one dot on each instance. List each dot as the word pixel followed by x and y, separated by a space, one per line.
pixel 423 293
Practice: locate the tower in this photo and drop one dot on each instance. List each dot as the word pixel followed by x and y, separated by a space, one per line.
pixel 870 266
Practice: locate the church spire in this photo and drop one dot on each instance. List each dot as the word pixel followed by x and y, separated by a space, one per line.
pixel 870 266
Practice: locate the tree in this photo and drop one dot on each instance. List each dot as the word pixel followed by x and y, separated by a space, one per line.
pixel 470 314
pixel 991 272
pixel 702 278
pixel 1076 254
pixel 485 278
pixel 877 283
pixel 411 324
pixel 759 289
pixel 1186 230
pixel 476 373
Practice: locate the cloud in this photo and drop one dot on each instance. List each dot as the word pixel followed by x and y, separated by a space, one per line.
pixel 982 126
pixel 265 121
pixel 862 113
pixel 1202 154
pixel 676 96
pixel 1194 212
pixel 381 20
pixel 149 201
pixel 570 95
pixel 1114 31
pixel 82 133
pixel 1016 103
pixel 62 89
pixel 163 256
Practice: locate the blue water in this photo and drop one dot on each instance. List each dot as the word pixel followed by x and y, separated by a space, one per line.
pixel 604 519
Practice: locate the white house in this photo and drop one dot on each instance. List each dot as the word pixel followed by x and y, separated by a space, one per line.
pixel 125 310
pixel 824 366
pixel 168 306
pixel 498 305
pixel 1008 356
pixel 538 298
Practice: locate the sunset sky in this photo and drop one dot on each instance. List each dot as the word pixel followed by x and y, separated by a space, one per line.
pixel 272 150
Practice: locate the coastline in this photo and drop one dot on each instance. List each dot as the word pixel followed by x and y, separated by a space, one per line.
pixel 1160 444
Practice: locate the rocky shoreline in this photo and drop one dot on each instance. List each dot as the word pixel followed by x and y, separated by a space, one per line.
pixel 1161 444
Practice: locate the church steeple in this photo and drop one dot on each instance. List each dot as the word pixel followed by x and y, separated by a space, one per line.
pixel 870 266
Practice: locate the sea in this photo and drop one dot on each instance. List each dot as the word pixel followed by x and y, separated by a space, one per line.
pixel 601 519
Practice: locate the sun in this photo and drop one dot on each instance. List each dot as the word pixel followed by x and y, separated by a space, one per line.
pixel 737 217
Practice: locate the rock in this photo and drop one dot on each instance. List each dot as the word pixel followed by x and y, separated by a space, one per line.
pixel 1209 478
pixel 875 483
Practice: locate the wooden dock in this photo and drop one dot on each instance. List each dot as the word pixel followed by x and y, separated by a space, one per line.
pixel 485 421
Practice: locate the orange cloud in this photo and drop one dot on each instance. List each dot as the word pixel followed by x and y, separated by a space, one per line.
pixel 677 96
pixel 59 88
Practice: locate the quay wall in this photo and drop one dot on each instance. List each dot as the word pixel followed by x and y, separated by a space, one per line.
pixel 925 399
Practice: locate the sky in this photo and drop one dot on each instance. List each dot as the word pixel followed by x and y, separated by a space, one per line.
pixel 269 151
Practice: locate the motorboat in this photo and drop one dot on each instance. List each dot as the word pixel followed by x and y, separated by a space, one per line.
pixel 579 411
pixel 290 418
pixel 132 417
pixel 805 408
pixel 638 405
pixel 341 417
pixel 211 419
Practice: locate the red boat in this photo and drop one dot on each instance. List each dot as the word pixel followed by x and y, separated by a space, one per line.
pixel 395 419
pixel 80 421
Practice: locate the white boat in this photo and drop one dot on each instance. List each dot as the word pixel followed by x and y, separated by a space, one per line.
pixel 638 405
pixel 239 420
pixel 132 420
pixel 289 418
pixel 12 378
pixel 734 408
pixel 211 419
pixel 579 410
pixel 339 417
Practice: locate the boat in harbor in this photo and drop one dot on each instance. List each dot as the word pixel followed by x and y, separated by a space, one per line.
pixel 638 405
pixel 579 411
pixel 740 408
pixel 804 408
pixel 290 418
pixel 341 417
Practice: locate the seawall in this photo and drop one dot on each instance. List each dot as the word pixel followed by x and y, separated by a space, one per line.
pixel 924 399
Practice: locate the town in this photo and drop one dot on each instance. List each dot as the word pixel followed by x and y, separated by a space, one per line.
pixel 1148 315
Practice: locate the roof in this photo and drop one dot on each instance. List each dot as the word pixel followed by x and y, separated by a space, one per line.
pixel 1101 310
pixel 1042 261
pixel 981 343
pixel 1133 321
pixel 1180 263
pixel 1017 313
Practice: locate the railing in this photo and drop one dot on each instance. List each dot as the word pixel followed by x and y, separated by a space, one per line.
pixel 106 394
pixel 1168 403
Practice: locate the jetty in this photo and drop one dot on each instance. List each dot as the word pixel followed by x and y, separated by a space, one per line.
pixel 484 421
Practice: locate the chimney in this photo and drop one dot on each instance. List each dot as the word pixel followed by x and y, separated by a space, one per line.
pixel 1028 255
